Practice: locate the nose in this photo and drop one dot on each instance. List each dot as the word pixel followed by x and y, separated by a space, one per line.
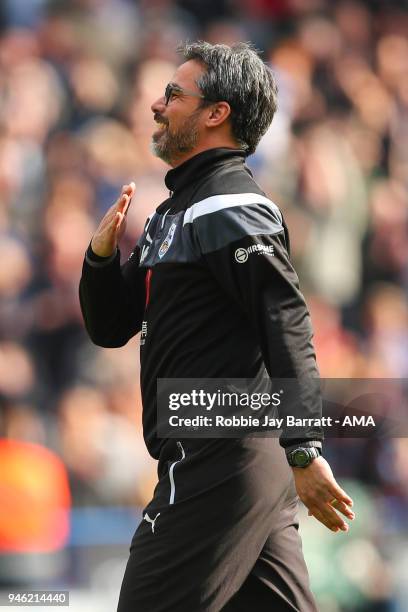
pixel 159 105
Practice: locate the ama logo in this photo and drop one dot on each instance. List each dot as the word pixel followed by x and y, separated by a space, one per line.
pixel 166 244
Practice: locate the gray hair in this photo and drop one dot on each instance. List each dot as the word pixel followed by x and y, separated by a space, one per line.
pixel 237 75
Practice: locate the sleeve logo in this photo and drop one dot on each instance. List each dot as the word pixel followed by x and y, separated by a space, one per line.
pixel 241 255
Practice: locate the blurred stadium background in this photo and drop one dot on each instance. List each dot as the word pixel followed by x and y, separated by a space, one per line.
pixel 76 82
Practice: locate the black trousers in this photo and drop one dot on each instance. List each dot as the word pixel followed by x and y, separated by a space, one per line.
pixel 220 533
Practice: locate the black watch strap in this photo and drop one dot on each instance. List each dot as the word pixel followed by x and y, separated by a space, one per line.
pixel 303 444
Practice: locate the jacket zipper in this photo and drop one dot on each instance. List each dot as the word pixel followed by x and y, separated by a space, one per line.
pixel 171 473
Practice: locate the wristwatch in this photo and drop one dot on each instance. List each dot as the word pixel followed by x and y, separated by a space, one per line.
pixel 303 456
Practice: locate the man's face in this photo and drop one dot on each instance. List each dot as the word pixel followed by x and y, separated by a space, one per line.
pixel 180 125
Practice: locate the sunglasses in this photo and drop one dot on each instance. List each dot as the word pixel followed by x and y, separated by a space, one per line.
pixel 173 91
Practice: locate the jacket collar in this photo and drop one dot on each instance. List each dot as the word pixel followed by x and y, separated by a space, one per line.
pixel 199 165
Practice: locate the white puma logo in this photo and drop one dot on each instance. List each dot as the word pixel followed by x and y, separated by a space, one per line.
pixel 149 520
pixel 146 248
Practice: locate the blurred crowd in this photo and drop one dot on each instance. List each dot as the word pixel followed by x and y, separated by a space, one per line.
pixel 77 79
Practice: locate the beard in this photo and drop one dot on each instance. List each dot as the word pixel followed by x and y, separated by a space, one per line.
pixel 169 145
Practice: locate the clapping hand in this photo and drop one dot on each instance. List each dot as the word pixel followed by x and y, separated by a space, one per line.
pixel 113 224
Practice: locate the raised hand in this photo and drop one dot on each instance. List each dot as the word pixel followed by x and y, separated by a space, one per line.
pixel 322 496
pixel 113 224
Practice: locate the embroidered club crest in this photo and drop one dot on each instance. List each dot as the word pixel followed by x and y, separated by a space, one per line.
pixel 168 240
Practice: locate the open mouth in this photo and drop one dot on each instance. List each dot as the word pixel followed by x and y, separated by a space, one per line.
pixel 162 126
pixel 161 129
pixel 161 123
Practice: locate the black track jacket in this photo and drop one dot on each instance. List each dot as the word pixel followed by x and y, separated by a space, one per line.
pixel 209 285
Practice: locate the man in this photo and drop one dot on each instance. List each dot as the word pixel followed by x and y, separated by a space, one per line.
pixel 221 530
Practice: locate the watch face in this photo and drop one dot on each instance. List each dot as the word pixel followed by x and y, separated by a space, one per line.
pixel 301 458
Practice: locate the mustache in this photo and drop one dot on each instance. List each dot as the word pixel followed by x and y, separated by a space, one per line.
pixel 160 119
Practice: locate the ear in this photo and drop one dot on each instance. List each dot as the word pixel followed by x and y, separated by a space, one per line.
pixel 217 114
